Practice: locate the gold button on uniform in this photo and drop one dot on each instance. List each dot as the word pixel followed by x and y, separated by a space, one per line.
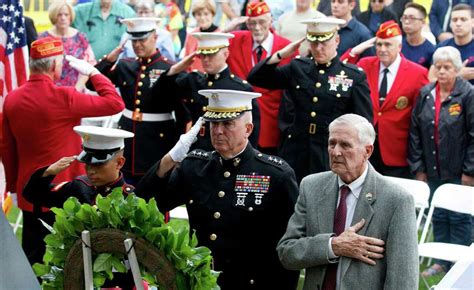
pixel 140 84
pixel 297 87
pixel 142 76
pixel 124 83
pixel 221 194
pixel 313 114
pixel 250 208
pixel 139 93
pixel 318 85
pixel 192 100
pixel 252 281
pixel 209 84
pixel 260 155
pixel 143 67
pixel 289 136
pixel 338 95
pixel 321 72
pixel 162 135
pixel 137 110
pixel 226 174
pixel 191 201
pixel 213 237
pixel 204 108
pixel 379 113
pixel 217 215
pixel 137 102
pixel 315 99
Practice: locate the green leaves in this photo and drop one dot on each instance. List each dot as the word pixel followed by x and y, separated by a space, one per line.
pixel 134 215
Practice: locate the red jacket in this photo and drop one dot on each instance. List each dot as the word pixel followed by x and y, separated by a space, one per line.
pixel 240 63
pixel 37 127
pixel 393 118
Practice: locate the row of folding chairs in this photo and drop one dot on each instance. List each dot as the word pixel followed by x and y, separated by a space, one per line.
pixel 453 197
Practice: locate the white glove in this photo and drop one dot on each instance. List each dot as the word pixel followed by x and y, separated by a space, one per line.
pixel 82 66
pixel 180 150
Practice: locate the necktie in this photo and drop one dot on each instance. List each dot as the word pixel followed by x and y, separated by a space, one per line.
pixel 338 227
pixel 383 87
pixel 259 52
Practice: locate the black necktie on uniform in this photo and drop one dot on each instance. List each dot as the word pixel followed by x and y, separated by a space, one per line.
pixel 259 52
pixel 383 87
pixel 339 224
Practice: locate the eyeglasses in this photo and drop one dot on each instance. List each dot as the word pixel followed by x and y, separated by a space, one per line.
pixel 380 1
pixel 409 18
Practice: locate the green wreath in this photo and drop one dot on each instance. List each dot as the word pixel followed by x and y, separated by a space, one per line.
pixel 172 259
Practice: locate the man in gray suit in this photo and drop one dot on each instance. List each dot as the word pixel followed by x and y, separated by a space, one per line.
pixel 352 228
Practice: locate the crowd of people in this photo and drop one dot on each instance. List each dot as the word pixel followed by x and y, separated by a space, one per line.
pixel 326 100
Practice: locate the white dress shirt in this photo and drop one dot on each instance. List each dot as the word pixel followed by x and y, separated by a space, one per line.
pixel 267 44
pixel 351 202
pixel 392 74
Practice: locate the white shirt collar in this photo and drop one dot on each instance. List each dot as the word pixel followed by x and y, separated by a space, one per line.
pixel 267 44
pixel 393 68
pixel 356 185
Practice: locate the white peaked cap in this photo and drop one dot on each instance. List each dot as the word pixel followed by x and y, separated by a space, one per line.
pixel 211 42
pixel 100 144
pixel 227 104
pixel 140 27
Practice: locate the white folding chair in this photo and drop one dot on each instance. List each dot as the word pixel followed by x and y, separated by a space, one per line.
pixel 453 197
pixel 420 192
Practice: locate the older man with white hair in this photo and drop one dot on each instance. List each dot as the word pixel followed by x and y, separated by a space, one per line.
pixel 352 228
pixel 246 50
pixel 394 84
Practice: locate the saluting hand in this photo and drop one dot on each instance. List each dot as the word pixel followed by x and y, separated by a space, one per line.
pixel 180 150
pixel 82 66
pixel 182 65
pixel 363 46
pixel 114 54
pixel 287 51
pixel 350 244
pixel 58 166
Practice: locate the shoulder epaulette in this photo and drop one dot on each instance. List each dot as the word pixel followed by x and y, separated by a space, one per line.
pixel 200 154
pixel 302 59
pixel 352 67
pixel 272 160
pixel 84 179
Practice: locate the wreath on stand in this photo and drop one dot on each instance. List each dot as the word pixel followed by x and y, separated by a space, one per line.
pixel 168 257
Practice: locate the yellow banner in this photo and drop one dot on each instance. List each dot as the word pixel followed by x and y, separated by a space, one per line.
pixel 38 11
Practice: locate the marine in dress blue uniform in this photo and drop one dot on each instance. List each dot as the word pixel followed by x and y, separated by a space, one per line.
pixel 317 93
pixel 186 85
pixel 238 201
pixel 155 115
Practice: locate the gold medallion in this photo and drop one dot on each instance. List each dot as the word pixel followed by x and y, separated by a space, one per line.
pixel 402 103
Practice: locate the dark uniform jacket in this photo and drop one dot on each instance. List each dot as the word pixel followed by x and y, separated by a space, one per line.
pixel 239 209
pixel 454 153
pixel 41 192
pixel 186 86
pixel 315 96
pixel 136 78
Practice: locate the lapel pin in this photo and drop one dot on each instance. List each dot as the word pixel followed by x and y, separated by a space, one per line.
pixel 369 196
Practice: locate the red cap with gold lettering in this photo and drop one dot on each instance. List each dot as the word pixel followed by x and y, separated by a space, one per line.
pixel 257 8
pixel 46 47
pixel 388 29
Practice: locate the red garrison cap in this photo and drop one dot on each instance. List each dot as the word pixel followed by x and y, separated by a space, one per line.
pixel 46 47
pixel 257 8
pixel 388 29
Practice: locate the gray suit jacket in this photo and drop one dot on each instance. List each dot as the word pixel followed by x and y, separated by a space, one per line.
pixel 389 215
